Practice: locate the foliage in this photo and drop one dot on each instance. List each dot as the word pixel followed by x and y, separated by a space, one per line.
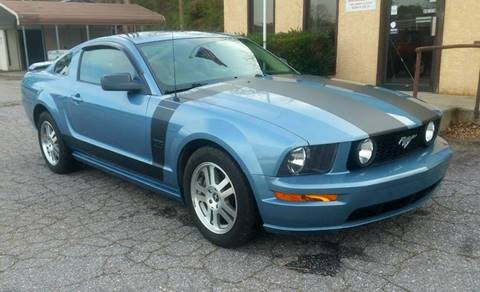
pixel 203 15
pixel 309 53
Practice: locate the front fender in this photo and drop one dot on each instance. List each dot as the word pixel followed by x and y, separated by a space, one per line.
pixel 257 146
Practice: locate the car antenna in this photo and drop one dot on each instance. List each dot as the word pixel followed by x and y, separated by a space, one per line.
pixel 174 70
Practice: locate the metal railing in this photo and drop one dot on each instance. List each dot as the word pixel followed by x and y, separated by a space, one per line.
pixel 420 50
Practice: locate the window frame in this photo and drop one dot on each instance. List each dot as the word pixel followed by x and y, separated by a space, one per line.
pixel 306 11
pixel 306 17
pixel 250 17
pixel 125 51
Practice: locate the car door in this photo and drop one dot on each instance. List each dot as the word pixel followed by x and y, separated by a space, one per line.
pixel 110 125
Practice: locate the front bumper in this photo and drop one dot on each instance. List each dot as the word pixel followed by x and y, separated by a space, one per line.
pixel 364 196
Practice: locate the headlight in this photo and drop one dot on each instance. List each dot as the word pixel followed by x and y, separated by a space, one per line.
pixel 429 132
pixel 296 160
pixel 366 152
pixel 308 160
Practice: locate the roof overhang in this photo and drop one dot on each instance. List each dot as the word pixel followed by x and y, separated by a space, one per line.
pixel 75 13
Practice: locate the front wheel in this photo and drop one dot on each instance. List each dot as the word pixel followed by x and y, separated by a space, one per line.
pixel 219 198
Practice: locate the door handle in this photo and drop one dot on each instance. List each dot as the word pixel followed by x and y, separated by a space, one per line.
pixel 77 98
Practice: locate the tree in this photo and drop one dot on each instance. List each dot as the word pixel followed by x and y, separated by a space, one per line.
pixel 205 15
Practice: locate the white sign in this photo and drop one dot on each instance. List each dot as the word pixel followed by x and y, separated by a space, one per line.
pixel 394 10
pixel 361 5
pixel 55 54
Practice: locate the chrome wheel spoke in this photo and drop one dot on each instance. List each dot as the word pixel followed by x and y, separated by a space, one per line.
pixel 223 184
pixel 225 216
pixel 200 189
pixel 227 192
pixel 202 199
pixel 206 176
pixel 211 175
pixel 214 218
pixel 227 209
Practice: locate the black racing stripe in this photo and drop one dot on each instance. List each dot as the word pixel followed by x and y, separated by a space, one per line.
pixel 420 112
pixel 114 158
pixel 160 120
pixel 164 112
pixel 368 119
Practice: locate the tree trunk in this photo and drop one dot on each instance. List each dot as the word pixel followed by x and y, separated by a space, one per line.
pixel 180 13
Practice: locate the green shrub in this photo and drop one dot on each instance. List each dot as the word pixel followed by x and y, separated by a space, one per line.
pixel 309 53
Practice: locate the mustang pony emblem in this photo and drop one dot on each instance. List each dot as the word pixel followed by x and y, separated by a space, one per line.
pixel 405 141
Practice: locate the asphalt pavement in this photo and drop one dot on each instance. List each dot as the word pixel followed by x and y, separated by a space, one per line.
pixel 92 231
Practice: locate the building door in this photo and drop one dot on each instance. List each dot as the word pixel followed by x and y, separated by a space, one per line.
pixel 410 24
pixel 35 46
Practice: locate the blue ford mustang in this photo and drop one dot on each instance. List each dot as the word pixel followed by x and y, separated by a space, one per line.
pixel 235 133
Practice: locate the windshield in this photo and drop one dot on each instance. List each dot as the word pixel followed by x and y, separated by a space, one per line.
pixel 201 61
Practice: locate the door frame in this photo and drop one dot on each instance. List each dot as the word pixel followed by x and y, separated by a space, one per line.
pixel 385 10
pixel 21 44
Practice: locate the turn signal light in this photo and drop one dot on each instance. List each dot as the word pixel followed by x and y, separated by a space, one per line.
pixel 305 198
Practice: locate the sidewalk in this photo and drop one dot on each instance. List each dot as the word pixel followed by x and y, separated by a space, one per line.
pixel 455 108
pixel 7 75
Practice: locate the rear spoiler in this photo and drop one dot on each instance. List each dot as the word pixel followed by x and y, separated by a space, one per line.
pixel 40 66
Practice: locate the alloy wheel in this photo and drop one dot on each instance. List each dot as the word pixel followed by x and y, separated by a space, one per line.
pixel 213 197
pixel 49 140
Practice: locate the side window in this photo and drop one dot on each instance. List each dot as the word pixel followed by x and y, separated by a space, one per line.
pixel 105 61
pixel 62 66
pixel 160 57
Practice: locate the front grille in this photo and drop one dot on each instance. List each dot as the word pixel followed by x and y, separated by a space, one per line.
pixel 388 146
pixel 379 209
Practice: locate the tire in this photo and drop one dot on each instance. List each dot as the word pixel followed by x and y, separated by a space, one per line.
pixel 211 205
pixel 62 161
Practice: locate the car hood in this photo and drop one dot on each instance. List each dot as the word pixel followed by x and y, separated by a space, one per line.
pixel 317 109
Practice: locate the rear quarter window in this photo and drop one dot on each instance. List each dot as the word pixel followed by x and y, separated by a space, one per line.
pixel 62 66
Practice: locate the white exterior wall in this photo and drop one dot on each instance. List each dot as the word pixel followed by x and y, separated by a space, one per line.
pixel 14 50
pixel 3 52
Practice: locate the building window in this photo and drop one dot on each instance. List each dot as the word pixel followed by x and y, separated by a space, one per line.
pixel 321 16
pixel 255 21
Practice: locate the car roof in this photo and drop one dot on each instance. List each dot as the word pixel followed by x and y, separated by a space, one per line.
pixel 152 36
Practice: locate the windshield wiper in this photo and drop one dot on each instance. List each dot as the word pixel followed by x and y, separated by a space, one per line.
pixel 191 86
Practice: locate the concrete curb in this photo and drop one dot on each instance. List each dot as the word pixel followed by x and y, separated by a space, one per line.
pixel 455 115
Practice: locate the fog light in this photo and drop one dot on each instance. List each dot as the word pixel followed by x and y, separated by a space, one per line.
pixel 305 198
pixel 429 132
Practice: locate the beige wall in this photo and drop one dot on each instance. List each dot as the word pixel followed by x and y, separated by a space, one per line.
pixel 235 13
pixel 357 47
pixel 288 15
pixel 460 67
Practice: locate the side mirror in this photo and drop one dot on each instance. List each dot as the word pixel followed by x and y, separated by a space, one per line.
pixel 121 82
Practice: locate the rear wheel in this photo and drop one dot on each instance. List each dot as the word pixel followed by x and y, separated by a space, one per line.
pixel 219 198
pixel 53 148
